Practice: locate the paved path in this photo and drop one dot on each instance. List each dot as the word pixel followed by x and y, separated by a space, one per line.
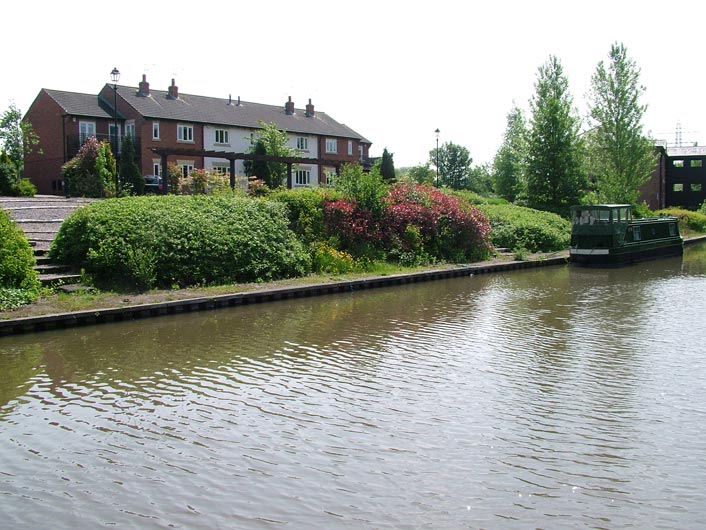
pixel 41 216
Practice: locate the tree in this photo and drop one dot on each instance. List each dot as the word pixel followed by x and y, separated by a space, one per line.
pixel 131 178
pixel 454 165
pixel 508 165
pixel 91 173
pixel 272 142
pixel 554 170
pixel 621 158
pixel 387 166
pixel 16 137
pixel 421 174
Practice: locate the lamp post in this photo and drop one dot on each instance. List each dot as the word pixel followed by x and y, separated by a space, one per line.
pixel 437 157
pixel 115 77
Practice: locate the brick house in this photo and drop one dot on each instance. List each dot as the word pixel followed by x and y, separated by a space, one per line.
pixel 192 128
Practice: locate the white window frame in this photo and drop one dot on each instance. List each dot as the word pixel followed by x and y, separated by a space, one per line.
pixel 350 147
pixel 302 177
pixel 156 166
pixel 331 145
pixel 221 168
pixel 360 153
pixel 330 174
pixel 185 133
pixel 155 130
pixel 302 143
pixel 186 167
pixel 220 137
pixel 86 129
pixel 130 128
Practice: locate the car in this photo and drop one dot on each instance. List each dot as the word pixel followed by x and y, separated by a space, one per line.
pixel 153 184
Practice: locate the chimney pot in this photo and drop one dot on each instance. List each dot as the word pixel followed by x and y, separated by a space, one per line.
pixel 289 106
pixel 144 89
pixel 173 91
pixel 310 110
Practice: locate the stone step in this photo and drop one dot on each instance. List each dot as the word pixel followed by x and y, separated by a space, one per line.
pixel 59 279
pixel 51 268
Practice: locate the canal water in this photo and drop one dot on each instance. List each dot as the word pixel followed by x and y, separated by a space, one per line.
pixel 551 398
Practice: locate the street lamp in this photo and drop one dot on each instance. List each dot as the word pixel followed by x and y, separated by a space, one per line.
pixel 115 77
pixel 437 157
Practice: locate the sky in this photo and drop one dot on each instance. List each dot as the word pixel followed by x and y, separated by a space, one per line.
pixel 392 71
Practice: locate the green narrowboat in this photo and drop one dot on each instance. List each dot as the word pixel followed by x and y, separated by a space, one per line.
pixel 607 235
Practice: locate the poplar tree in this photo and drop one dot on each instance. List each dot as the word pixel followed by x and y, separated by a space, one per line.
pixel 554 170
pixel 621 157
pixel 508 165
pixel 387 166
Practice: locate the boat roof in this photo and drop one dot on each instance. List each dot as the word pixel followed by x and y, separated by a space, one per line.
pixel 599 206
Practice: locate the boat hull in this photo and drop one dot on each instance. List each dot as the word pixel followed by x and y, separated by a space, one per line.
pixel 626 254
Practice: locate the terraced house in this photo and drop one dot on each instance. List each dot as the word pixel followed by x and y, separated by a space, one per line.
pixel 188 130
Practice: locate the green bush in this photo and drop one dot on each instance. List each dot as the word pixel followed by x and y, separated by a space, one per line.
pixel 162 241
pixel 8 179
pixel 327 259
pixel 687 219
pixel 305 210
pixel 17 259
pixel 26 188
pixel 517 227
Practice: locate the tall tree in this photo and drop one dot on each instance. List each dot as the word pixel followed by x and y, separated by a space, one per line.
pixel 454 165
pixel 621 157
pixel 508 165
pixel 387 166
pixel 16 136
pixel 131 178
pixel 554 170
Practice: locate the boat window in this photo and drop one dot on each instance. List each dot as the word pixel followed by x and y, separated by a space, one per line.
pixel 636 234
pixel 672 229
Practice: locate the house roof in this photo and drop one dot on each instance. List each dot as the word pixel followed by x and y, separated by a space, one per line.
pixel 89 105
pixel 221 111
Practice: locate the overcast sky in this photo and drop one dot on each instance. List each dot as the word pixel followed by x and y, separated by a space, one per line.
pixel 392 71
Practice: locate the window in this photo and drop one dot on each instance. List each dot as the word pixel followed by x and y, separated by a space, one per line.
pixel 695 163
pixel 350 147
pixel 696 187
pixel 185 133
pixel 130 128
pixel 672 229
pixel 303 143
pixel 678 163
pixel 360 153
pixel 156 167
pixel 330 174
pixel 302 177
pixel 678 187
pixel 331 145
pixel 86 129
pixel 221 168
pixel 221 136
pixel 186 167
pixel 636 234
pixel 155 130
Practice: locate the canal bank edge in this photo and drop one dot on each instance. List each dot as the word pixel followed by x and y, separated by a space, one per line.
pixel 133 312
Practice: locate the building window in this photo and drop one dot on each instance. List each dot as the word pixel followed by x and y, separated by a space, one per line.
pixel 302 177
pixel 331 145
pixel 156 167
pixel 302 143
pixel 350 147
pixel 185 133
pixel 86 129
pixel 695 163
pixel 678 163
pixel 186 167
pixel 696 187
pixel 678 187
pixel 330 174
pixel 360 152
pixel 221 136
pixel 155 130
pixel 221 169
pixel 130 128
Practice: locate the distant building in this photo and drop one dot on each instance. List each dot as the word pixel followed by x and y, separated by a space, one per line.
pixel 172 122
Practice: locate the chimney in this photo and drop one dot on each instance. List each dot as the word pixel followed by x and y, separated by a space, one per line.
pixel 144 87
pixel 310 110
pixel 173 91
pixel 238 104
pixel 289 106
pixel 230 100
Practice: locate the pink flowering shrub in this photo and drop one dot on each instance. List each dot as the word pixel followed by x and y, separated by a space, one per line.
pixel 416 224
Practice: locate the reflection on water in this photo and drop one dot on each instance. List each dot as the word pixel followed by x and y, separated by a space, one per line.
pixel 554 398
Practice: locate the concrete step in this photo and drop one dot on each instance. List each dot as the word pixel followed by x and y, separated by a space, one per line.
pixel 51 268
pixel 49 280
